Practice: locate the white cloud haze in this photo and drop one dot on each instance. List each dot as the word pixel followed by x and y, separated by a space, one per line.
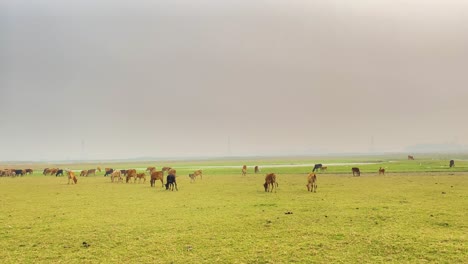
pixel 178 78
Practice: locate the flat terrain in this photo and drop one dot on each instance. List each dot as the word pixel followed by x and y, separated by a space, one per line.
pixel 415 214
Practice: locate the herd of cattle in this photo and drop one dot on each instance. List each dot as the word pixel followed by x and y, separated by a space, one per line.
pixel 158 175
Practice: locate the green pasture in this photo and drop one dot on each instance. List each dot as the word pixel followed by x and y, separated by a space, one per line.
pixel 413 214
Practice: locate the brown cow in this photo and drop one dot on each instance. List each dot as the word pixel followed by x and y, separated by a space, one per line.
pixel 381 171
pixel 116 176
pixel 270 180
pixel 84 173
pixel 410 157
pixel 131 174
pixel 91 171
pixel 172 171
pixel 195 174
pixel 256 170
pixel 323 168
pixel 356 171
pixel 157 175
pixel 71 176
pixel 192 177
pixel 29 171
pixel 150 169
pixel 244 170
pixel 141 176
pixel 198 173
pixel 53 171
pixel 312 182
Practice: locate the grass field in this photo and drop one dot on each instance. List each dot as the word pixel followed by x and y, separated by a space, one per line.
pixel 414 214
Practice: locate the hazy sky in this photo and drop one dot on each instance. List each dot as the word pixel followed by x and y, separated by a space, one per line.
pixel 179 78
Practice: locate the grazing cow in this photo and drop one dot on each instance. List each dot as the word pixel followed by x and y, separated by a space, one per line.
pixel 244 170
pixel 59 172
pixel 316 167
pixel 356 171
pixel 381 171
pixel 91 171
pixel 198 173
pixel 46 171
pixel 29 171
pixel 410 157
pixel 171 182
pixel 116 176
pixel 157 175
pixel 195 174
pixel 141 176
pixel 109 171
pixel 270 180
pixel 84 173
pixel 131 174
pixel 54 171
pixel 452 163
pixel 165 169
pixel 71 176
pixel 323 168
pixel 256 170
pixel 312 182
pixel 192 177
pixel 150 169
pixel 19 172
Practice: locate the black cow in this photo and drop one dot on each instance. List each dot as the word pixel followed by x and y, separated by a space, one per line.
pixel 316 167
pixel 452 163
pixel 19 172
pixel 171 182
pixel 109 172
pixel 356 171
pixel 59 172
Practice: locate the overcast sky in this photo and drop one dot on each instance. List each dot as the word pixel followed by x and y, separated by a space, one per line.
pixel 186 78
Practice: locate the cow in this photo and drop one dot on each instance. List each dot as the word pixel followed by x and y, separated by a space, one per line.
pixel 195 174
pixel 91 171
pixel 130 174
pixel 256 170
pixel 116 176
pixel 60 172
pixel 149 169
pixel 244 170
pixel 157 175
pixel 29 171
pixel 270 180
pixel 46 171
pixel 124 172
pixel 19 172
pixel 84 173
pixel 171 182
pixel 192 177
pixel 323 168
pixel 109 171
pixel 316 167
pixel 71 176
pixel 312 182
pixel 165 169
pixel 410 157
pixel 198 173
pixel 53 171
pixel 381 171
pixel 141 176
pixel 452 163
pixel 356 171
